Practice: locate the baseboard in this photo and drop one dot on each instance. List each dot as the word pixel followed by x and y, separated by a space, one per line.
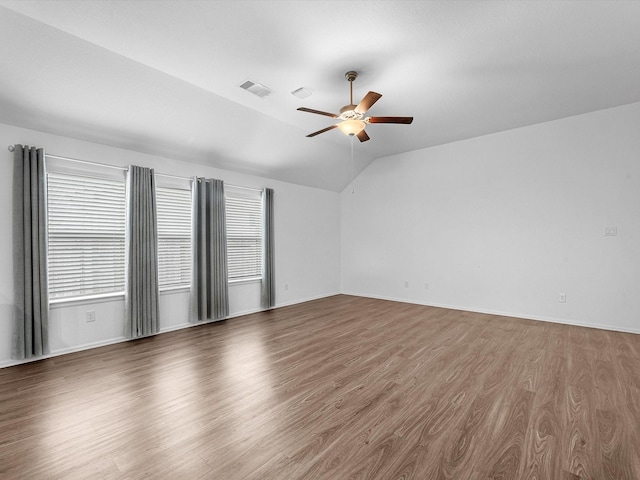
pixel 64 351
pixel 561 321
pixel 308 299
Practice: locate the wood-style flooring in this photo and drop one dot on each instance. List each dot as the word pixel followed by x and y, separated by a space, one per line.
pixel 341 388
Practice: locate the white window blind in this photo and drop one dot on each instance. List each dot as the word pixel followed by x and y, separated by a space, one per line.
pixel 174 237
pixel 244 233
pixel 86 228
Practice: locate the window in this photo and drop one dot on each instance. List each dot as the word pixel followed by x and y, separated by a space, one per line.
pixel 174 237
pixel 86 218
pixel 244 233
pixel 86 228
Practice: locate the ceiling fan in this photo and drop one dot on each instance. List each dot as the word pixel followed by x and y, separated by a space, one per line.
pixel 352 116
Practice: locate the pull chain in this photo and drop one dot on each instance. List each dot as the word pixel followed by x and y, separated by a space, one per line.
pixel 353 169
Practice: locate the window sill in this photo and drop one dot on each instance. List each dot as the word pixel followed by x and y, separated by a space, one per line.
pixel 91 299
pixel 245 280
pixel 181 288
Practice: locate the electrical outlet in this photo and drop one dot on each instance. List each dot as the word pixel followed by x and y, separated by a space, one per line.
pixel 91 315
pixel 286 286
pixel 563 298
pixel 406 284
pixel 610 231
pixel 426 285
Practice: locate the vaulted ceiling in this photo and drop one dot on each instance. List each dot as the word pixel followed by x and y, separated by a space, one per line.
pixel 162 77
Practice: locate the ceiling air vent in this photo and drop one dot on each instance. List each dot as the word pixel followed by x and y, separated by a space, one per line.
pixel 256 88
pixel 301 93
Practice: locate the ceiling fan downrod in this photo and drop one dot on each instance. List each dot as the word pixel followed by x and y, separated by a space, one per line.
pixel 351 76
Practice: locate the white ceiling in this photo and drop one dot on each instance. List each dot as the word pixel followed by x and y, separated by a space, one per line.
pixel 162 77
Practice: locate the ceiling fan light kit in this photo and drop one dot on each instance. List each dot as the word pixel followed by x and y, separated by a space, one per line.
pixel 351 127
pixel 352 116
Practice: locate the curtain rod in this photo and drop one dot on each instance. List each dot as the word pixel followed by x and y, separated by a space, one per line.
pixel 11 148
pixel 85 161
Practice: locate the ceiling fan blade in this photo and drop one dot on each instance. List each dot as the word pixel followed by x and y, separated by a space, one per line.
pixel 322 131
pixel 362 136
pixel 310 110
pixel 368 100
pixel 405 120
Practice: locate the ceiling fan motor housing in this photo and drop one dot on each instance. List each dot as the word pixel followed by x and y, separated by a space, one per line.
pixel 348 112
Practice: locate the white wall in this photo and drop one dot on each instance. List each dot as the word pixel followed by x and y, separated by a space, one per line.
pixel 307 247
pixel 505 223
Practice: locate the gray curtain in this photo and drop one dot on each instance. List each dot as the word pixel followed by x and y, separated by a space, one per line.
pixel 141 283
pixel 268 291
pixel 31 301
pixel 209 285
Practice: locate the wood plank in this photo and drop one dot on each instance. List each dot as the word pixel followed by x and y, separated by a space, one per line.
pixel 545 429
pixel 580 443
